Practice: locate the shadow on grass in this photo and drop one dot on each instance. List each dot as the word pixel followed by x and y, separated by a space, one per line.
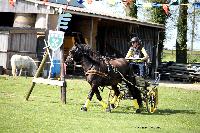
pixel 129 109
pixel 171 111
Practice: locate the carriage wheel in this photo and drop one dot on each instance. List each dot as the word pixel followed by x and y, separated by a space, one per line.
pixel 152 100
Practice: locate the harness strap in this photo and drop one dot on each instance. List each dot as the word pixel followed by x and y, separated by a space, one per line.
pixel 125 78
pixel 96 73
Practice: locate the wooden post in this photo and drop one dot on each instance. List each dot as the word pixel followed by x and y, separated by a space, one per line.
pixel 62 75
pixel 37 73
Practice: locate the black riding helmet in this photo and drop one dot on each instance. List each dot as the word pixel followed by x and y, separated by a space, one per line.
pixel 135 39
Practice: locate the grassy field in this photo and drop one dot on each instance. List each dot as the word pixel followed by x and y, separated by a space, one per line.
pixel 179 110
pixel 170 55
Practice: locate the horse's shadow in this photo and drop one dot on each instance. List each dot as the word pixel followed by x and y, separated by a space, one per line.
pixel 129 109
pixel 173 111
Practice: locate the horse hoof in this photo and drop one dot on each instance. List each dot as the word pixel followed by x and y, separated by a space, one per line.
pixel 138 111
pixel 108 110
pixel 112 106
pixel 83 109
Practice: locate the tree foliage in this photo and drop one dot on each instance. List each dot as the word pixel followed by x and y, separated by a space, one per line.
pixel 181 46
pixel 133 9
pixel 159 16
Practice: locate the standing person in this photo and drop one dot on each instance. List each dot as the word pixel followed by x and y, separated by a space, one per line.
pixel 138 55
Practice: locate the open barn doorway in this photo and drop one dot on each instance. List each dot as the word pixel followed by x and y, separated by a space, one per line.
pixel 7 19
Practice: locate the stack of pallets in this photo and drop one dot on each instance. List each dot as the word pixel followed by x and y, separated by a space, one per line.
pixel 180 72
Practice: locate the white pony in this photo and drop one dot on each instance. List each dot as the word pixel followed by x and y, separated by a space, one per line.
pixel 23 62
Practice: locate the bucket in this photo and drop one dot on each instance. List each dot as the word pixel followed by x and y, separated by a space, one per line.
pixel 55 70
pixel 24 20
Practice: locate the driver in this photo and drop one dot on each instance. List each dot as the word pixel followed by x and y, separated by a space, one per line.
pixel 138 55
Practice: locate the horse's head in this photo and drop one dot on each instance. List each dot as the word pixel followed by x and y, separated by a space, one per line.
pixel 77 52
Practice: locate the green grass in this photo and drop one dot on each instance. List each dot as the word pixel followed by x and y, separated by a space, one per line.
pixel 179 110
pixel 170 55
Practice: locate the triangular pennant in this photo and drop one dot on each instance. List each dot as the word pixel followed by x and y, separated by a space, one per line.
pixel 80 1
pixel 174 2
pixel 156 5
pixel 196 5
pixel 147 5
pixel 166 8
pixel 111 2
pixel 89 1
pixel 12 3
pixel 127 2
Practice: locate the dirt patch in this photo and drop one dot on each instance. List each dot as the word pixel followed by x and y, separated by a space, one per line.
pixel 188 86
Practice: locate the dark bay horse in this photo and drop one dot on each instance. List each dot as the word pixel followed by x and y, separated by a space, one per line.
pixel 102 72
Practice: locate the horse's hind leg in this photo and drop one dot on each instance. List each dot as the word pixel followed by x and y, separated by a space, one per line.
pixel 137 99
pixel 116 95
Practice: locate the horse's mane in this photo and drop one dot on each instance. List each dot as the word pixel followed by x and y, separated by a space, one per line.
pixel 94 57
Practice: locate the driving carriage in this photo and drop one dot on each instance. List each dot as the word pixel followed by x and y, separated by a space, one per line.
pixel 148 89
pixel 115 74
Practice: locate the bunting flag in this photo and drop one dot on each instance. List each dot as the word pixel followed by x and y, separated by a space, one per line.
pixel 111 2
pixel 80 1
pixel 174 2
pixel 12 3
pixel 196 5
pixel 156 5
pixel 127 2
pixel 165 8
pixel 160 5
pixel 89 1
pixel 147 5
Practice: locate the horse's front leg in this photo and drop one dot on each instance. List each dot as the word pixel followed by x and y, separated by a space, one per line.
pixel 89 98
pixel 103 104
pixel 87 102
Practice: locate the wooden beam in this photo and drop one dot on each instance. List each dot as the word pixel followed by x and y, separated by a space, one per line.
pixel 48 81
pixel 37 74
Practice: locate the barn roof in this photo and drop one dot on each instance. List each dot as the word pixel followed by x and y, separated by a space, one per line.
pixel 98 14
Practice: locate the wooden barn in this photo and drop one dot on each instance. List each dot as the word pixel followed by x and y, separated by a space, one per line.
pixel 16 41
pixel 107 32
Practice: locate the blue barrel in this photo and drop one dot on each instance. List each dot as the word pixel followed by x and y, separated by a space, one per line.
pixel 55 70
